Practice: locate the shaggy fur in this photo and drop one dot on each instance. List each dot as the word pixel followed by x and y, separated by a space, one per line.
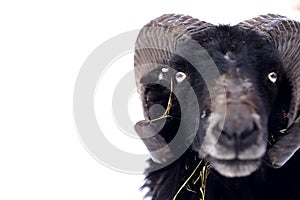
pixel 255 57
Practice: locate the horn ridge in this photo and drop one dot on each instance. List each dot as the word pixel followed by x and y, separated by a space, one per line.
pixel 154 47
pixel 285 34
pixel 157 40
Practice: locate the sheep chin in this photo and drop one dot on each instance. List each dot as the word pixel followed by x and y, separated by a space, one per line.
pixel 236 168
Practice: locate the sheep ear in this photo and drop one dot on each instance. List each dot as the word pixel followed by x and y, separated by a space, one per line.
pixel 285 34
pixel 155 45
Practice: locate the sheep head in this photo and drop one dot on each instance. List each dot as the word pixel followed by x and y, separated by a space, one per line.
pixel 230 93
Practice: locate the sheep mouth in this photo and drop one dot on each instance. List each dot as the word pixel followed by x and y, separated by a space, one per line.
pixel 229 162
pixel 236 148
pixel 232 163
pixel 235 167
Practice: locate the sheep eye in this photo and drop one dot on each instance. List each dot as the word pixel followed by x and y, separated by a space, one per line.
pixel 180 76
pixel 272 77
pixel 165 69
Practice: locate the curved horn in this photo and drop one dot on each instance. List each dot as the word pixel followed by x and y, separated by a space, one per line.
pixel 157 40
pixel 285 34
pixel 154 47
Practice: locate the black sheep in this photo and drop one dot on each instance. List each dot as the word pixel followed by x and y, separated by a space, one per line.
pixel 222 108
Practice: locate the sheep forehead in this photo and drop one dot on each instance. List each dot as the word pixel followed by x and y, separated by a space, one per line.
pixel 236 83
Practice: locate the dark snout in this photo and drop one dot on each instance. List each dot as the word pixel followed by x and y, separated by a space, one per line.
pixel 236 138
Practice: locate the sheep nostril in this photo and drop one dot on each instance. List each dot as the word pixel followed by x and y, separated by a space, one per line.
pixel 227 135
pixel 232 138
pixel 249 134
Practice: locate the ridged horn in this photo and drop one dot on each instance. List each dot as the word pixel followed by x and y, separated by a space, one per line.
pixel 285 34
pixel 154 47
pixel 157 40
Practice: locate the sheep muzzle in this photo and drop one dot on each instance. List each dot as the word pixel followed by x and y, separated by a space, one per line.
pixel 236 137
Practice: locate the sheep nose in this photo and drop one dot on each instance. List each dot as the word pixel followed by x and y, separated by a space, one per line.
pixel 239 129
pixel 238 140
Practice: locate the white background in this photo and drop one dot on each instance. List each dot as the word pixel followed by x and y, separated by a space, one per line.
pixel 42 48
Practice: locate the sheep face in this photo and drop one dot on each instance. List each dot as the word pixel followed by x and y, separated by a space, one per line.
pixel 258 63
pixel 233 122
pixel 235 135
